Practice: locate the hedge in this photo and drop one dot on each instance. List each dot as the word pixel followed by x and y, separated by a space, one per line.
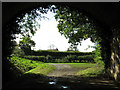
pixel 59 54
pixel 36 58
pixel 66 59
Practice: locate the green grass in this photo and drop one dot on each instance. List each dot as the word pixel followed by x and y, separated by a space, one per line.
pixel 81 65
pixel 30 66
pixel 24 64
pixel 36 67
pixel 91 72
pixel 43 69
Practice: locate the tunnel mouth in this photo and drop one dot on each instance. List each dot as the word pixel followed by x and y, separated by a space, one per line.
pixel 54 82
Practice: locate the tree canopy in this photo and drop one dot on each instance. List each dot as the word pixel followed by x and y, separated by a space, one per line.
pixel 75 26
pixel 25 44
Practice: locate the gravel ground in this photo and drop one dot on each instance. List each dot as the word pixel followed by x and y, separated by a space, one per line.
pixel 64 70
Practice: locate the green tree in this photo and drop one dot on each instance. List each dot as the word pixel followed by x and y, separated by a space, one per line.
pixel 18 52
pixel 29 25
pixel 97 56
pixel 25 44
pixel 72 48
pixel 75 25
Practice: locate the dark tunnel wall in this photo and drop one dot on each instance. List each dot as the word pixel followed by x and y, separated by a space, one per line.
pixel 104 13
pixel 114 69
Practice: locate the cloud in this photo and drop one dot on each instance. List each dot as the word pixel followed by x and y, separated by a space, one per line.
pixel 48 34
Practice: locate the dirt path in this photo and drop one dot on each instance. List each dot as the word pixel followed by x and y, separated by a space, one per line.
pixel 64 78
pixel 64 70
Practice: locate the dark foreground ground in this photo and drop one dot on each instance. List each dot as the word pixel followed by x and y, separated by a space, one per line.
pixel 62 78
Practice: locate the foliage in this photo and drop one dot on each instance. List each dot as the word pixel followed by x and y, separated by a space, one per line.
pixel 63 60
pixel 59 54
pixel 18 52
pixel 26 66
pixel 28 24
pixel 43 69
pixel 75 25
pixel 91 72
pixel 97 56
pixel 25 44
pixel 66 59
pixel 49 58
pixel 24 23
pixel 71 58
pixel 89 58
pixel 72 48
pixel 36 58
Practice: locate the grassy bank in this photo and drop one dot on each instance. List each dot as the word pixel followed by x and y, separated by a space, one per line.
pixel 82 65
pixel 43 69
pixel 27 66
pixel 91 72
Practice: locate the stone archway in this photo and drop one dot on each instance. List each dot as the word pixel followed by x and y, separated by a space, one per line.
pixel 105 14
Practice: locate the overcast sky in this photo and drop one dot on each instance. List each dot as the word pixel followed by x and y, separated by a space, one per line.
pixel 48 34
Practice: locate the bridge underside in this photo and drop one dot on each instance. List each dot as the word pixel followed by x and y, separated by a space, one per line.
pixel 106 15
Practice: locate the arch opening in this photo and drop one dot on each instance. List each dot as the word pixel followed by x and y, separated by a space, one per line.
pixel 73 39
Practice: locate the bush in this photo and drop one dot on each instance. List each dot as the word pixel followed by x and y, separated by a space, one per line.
pixel 23 64
pixel 28 68
pixel 86 58
pixel 71 58
pixel 36 58
pixel 48 58
pixel 97 56
pixel 18 52
pixel 59 54
pixel 63 60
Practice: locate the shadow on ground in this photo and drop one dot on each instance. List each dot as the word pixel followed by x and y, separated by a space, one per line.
pixel 69 82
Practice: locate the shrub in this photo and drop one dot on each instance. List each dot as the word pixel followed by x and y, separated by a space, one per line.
pixel 63 60
pixel 48 58
pixel 18 52
pixel 36 58
pixel 23 64
pixel 97 56
pixel 71 58
pixel 86 58
pixel 59 54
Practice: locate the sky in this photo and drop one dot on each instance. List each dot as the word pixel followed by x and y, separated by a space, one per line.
pixel 48 34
